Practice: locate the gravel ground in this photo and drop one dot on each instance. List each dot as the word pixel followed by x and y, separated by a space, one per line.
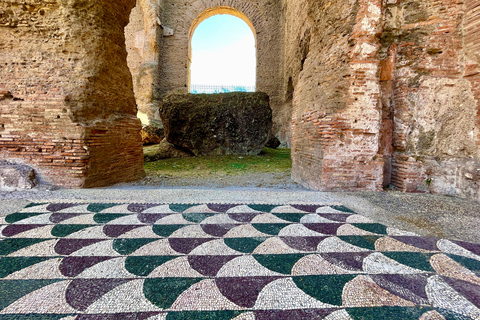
pixel 425 214
pixel 276 180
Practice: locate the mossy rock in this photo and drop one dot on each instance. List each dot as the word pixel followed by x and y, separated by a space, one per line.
pixel 237 123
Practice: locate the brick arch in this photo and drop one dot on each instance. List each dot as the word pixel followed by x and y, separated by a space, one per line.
pixel 208 14
pixel 174 78
pixel 221 10
pixel 203 9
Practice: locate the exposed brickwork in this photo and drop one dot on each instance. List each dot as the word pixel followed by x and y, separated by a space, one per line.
pixel 48 140
pixel 336 107
pixel 66 153
pixel 472 27
pixel 377 92
pixel 408 174
pixel 433 104
pixel 412 103
pixel 116 152
pixel 64 81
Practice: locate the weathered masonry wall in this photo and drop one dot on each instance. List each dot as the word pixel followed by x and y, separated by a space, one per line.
pixel 66 99
pixel 332 66
pixel 265 17
pixel 435 95
pixel 384 92
pixel 143 36
pixel 370 93
pixel 469 184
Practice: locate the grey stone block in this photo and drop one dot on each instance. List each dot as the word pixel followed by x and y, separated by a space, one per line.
pixel 15 177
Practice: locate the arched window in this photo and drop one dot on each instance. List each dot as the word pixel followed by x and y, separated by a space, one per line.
pixel 223 52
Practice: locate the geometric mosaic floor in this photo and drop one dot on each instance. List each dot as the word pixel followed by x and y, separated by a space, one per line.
pixel 211 261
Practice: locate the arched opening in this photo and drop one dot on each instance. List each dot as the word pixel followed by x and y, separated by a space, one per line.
pixel 161 52
pixel 222 52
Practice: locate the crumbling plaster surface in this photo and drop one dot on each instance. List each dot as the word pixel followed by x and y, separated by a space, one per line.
pixel 442 138
pixel 443 120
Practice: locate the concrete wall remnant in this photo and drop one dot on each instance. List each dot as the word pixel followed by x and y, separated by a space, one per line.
pixel 235 123
pixel 143 38
pixel 16 177
pixel 368 93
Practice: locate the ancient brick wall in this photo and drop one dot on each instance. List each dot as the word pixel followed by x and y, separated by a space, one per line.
pixel 435 137
pixel 384 92
pixel 331 59
pixel 264 15
pixel 66 93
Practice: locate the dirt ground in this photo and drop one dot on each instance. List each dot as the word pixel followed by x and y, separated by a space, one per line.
pixel 270 169
pixel 275 180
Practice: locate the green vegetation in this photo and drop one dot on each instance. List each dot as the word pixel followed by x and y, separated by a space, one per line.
pixel 269 161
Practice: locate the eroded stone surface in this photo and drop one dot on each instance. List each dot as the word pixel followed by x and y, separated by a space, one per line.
pixel 15 177
pixel 215 124
pixel 70 110
pixel 369 93
pixel 151 135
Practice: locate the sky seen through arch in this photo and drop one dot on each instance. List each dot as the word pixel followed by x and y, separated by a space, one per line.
pixel 223 53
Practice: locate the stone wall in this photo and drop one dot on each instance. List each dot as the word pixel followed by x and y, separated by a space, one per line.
pixel 331 64
pixel 435 95
pixel 369 92
pixel 143 37
pixel 66 93
pixel 384 92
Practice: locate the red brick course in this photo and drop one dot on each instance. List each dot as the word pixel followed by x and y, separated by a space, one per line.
pixel 339 149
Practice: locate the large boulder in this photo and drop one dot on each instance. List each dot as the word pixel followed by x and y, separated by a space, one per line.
pixel 237 123
pixel 15 177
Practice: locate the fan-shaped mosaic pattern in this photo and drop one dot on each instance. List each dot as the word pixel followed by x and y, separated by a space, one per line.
pixel 227 261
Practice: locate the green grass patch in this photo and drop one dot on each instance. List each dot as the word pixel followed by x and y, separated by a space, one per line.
pixel 269 161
